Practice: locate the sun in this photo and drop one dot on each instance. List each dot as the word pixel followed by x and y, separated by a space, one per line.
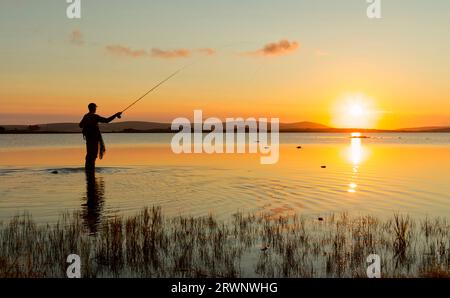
pixel 354 111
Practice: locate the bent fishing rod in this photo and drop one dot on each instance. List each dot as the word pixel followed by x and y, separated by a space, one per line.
pixel 151 90
pixel 162 82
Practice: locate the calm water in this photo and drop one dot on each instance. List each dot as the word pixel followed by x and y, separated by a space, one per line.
pixel 381 175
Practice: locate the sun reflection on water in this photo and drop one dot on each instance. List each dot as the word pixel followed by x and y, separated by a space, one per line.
pixel 355 156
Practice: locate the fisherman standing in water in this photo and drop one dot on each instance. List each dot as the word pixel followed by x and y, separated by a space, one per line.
pixel 91 133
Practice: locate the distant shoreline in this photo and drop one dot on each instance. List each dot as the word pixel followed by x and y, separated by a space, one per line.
pixel 161 127
pixel 22 132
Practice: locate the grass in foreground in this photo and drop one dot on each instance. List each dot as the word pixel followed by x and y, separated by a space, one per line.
pixel 151 245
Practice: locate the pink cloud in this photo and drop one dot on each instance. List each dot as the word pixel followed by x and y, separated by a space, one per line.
pixel 76 37
pixel 207 51
pixel 126 51
pixel 170 54
pixel 280 48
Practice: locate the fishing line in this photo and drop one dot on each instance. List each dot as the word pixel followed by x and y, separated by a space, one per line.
pixel 153 88
pixel 169 77
pixel 156 86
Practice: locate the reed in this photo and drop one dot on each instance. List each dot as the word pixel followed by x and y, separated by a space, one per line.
pixel 150 244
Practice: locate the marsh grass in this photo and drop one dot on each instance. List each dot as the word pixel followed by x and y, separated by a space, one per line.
pixel 249 245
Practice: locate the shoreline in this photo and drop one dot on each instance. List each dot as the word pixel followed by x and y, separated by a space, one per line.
pixel 175 132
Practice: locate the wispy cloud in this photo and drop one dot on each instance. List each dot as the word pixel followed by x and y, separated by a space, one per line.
pixel 170 54
pixel 283 47
pixel 126 51
pixel 207 51
pixel 76 37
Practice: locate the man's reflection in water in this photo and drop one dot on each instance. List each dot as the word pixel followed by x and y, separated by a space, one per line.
pixel 92 209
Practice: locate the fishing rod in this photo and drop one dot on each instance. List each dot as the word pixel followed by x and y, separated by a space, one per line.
pixel 155 87
pixel 165 80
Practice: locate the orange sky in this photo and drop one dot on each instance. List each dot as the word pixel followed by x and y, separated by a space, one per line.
pixel 280 61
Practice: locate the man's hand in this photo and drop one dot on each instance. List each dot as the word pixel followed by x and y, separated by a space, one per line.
pixel 119 115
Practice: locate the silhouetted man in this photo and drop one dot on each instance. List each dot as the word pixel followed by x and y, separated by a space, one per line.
pixel 92 135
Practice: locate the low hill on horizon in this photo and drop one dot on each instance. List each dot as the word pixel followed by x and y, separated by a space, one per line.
pixel 427 129
pixel 135 125
pixel 144 126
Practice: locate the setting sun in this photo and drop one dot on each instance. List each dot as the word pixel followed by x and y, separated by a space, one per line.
pixel 354 111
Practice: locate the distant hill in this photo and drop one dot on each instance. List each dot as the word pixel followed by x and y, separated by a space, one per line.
pixel 136 126
pixel 427 129
pixel 73 127
pixel 155 127
pixel 302 125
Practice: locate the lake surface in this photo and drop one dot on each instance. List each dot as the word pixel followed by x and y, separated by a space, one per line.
pixel 380 175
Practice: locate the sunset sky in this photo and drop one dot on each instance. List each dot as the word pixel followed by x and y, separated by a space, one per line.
pixel 292 59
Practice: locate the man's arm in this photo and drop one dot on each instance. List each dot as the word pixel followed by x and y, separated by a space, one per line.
pixel 81 125
pixel 107 120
